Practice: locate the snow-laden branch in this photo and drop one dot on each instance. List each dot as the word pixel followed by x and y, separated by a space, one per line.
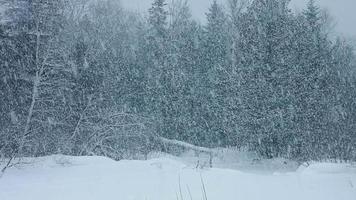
pixel 191 147
pixel 186 145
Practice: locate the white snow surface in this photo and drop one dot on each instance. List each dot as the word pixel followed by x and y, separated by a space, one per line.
pixel 169 178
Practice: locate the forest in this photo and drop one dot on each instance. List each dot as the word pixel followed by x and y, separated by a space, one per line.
pixel 85 78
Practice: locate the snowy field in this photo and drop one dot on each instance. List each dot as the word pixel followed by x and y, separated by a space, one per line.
pixel 169 178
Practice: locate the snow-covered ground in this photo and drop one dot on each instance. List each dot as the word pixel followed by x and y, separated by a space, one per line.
pixel 169 178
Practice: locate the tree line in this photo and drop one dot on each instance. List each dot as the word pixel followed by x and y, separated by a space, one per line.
pixel 91 78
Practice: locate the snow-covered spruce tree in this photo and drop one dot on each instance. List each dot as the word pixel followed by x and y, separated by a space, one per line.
pixel 315 80
pixel 340 134
pixel 213 79
pixel 232 101
pixel 183 46
pixel 266 68
pixel 159 81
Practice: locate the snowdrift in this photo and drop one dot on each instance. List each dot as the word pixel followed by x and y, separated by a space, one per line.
pixel 167 178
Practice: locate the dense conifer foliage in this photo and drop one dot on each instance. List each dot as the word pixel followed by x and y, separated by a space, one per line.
pixel 91 78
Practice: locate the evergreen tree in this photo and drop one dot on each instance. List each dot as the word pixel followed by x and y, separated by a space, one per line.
pixel 266 70
pixel 183 64
pixel 312 87
pixel 159 83
pixel 213 73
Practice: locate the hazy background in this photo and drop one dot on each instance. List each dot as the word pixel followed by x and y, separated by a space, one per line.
pixel 343 11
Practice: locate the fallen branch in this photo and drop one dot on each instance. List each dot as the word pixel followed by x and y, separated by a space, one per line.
pixel 190 146
pixel 185 145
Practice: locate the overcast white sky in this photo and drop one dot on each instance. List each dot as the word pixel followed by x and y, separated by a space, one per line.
pixel 343 11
